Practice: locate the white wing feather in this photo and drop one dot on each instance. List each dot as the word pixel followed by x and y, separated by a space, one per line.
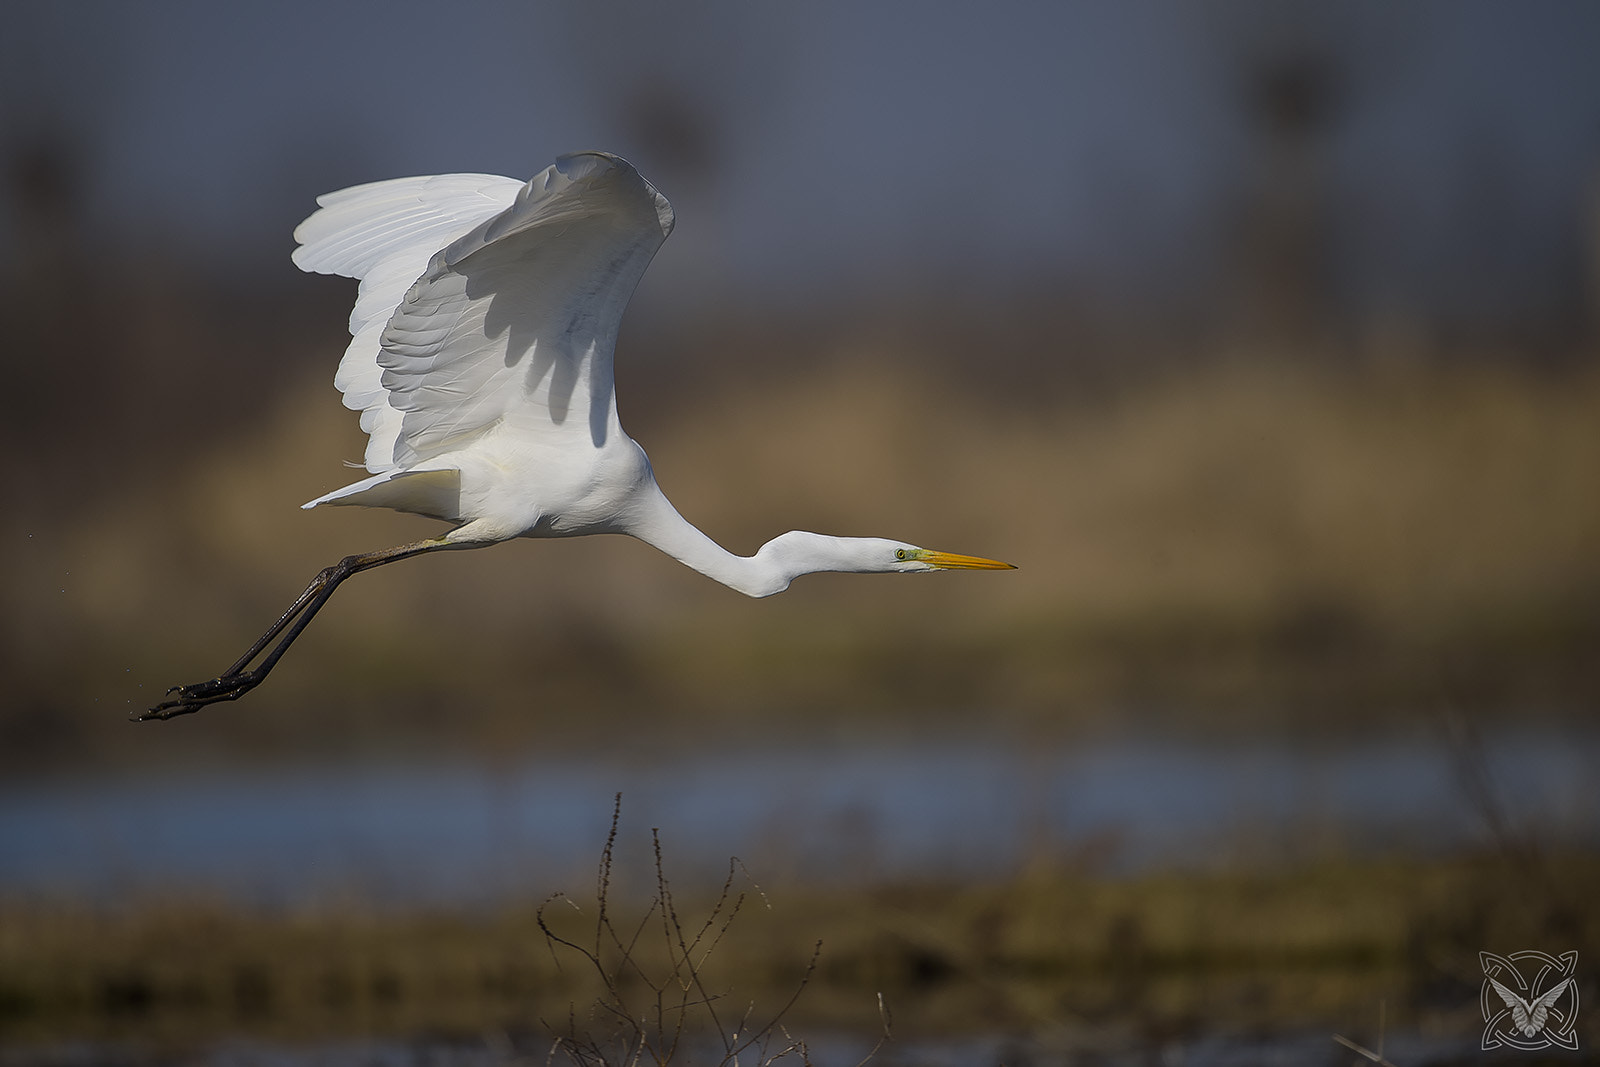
pixel 1518 1006
pixel 1530 1016
pixel 517 319
pixel 384 233
pixel 1540 1008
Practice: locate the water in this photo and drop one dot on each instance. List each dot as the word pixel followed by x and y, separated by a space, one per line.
pixel 1256 1051
pixel 456 833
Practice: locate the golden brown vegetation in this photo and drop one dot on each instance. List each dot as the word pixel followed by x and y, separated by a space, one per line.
pixel 1224 538
pixel 1229 537
pixel 1056 953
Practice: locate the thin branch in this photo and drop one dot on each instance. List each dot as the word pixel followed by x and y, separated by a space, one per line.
pixel 1361 1050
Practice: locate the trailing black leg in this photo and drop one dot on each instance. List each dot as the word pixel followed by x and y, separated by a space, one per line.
pixel 240 678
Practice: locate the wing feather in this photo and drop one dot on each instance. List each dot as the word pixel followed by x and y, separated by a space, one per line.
pixel 358 227
pixel 518 317
pixel 1541 1007
pixel 384 233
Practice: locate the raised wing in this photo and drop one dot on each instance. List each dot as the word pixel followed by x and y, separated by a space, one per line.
pixel 1539 1010
pixel 517 319
pixel 384 234
pixel 1520 1010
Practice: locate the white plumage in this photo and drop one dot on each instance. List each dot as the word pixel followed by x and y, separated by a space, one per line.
pixel 384 234
pixel 481 362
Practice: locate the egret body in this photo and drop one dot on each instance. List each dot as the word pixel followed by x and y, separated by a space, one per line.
pixel 481 362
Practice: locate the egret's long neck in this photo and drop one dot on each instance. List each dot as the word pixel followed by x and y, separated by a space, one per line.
pixel 656 522
pixel 770 570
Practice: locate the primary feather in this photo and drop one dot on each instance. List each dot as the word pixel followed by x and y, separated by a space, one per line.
pixel 384 234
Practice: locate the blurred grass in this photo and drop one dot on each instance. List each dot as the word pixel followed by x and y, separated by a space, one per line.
pixel 1057 953
pixel 1230 538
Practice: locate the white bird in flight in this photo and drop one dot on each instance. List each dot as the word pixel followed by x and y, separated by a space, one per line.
pixel 481 363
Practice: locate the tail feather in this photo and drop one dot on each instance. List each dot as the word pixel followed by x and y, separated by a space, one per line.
pixel 435 493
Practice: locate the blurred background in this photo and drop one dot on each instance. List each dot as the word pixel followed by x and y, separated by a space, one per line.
pixel 1261 336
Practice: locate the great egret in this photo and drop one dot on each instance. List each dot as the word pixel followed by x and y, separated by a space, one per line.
pixel 481 363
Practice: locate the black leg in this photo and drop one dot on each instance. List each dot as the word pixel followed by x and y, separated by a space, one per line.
pixel 236 681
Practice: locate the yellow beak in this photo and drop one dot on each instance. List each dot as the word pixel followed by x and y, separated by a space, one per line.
pixel 951 561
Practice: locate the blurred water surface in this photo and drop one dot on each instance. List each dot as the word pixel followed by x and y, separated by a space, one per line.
pixel 455 833
pixel 1212 1051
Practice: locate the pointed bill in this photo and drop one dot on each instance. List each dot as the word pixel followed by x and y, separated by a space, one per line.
pixel 952 561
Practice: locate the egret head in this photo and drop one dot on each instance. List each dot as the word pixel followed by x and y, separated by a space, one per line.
pixel 798 552
pixel 911 559
pixel 801 552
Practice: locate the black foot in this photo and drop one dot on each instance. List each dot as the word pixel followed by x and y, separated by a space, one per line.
pixel 191 698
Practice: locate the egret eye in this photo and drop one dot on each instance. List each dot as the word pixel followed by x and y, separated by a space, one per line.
pixel 900 554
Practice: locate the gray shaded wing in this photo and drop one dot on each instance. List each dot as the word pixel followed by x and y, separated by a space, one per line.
pixel 517 319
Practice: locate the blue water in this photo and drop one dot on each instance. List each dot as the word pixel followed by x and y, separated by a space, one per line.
pixel 1271 1050
pixel 459 833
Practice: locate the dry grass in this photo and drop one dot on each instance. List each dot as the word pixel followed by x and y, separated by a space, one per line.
pixel 1227 537
pixel 1057 953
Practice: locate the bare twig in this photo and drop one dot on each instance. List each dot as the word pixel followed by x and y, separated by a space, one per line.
pixel 678 999
pixel 1361 1050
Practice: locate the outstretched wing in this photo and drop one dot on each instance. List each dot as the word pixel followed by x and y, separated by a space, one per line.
pixel 516 319
pixel 485 299
pixel 1539 1010
pixel 384 234
pixel 1518 1006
